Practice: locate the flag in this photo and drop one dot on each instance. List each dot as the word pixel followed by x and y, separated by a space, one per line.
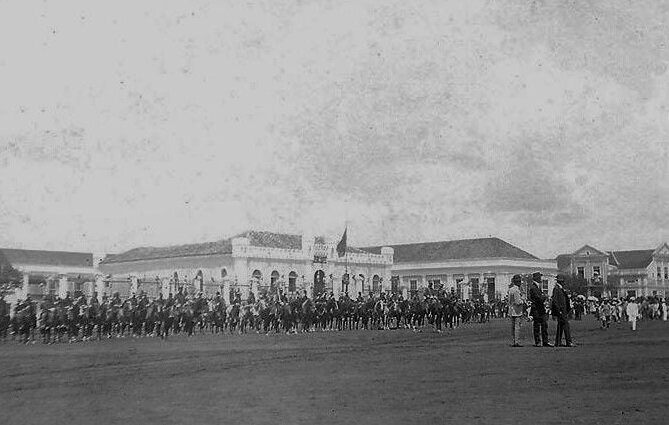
pixel 341 246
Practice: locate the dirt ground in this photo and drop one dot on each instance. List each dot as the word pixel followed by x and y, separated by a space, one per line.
pixel 468 375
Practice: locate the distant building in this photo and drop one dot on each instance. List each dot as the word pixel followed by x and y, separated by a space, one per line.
pixel 620 273
pixel 50 272
pixel 472 268
pixel 253 261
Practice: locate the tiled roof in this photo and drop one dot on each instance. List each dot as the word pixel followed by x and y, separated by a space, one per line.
pixel 455 250
pixel 154 253
pixel 612 259
pixel 273 240
pixel 264 239
pixel 638 259
pixel 47 258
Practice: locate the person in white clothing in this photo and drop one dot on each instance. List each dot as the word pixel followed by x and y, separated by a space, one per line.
pixel 663 304
pixel 632 312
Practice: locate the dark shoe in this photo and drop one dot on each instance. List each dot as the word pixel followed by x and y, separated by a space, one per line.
pixel 548 344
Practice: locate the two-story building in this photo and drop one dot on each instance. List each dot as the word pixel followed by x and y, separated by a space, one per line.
pixel 620 273
pixel 253 261
pixel 472 268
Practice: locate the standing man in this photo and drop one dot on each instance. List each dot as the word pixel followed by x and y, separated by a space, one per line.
pixel 516 308
pixel 538 312
pixel 632 312
pixel 560 308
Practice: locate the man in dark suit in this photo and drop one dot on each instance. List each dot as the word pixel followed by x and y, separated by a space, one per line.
pixel 560 308
pixel 538 312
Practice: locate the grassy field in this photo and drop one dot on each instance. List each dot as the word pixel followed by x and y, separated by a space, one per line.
pixel 468 375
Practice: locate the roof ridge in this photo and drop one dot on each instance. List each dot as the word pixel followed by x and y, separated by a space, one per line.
pixel 46 250
pixel 440 241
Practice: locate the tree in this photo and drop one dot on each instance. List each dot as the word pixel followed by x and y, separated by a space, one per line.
pixel 10 278
pixel 576 284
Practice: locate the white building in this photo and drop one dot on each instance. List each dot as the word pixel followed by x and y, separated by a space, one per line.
pixel 50 272
pixel 472 268
pixel 250 262
pixel 620 273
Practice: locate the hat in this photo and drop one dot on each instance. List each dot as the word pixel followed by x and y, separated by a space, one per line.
pixel 560 278
pixel 536 276
pixel 516 279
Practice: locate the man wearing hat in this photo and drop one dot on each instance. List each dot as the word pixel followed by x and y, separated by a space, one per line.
pixel 538 312
pixel 560 308
pixel 516 308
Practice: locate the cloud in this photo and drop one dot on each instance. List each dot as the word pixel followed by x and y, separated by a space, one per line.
pixel 146 124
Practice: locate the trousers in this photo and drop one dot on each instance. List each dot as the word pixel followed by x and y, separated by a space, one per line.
pixel 563 328
pixel 515 329
pixel 540 327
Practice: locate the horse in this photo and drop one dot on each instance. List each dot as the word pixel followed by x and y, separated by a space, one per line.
pixel 233 317
pixel 380 314
pixel 435 310
pixel 308 314
pixel 4 319
pixel 418 311
pixel 286 315
pixel 331 312
pixel 24 323
pixel 246 320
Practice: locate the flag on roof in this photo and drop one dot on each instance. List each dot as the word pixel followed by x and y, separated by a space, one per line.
pixel 341 246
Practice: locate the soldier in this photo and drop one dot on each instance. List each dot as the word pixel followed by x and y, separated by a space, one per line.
pixel 4 317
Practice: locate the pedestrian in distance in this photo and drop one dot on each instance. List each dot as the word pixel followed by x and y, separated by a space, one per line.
pixel 538 312
pixel 516 308
pixel 560 309
pixel 632 312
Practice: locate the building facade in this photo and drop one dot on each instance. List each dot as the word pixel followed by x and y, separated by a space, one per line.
pixel 50 272
pixel 250 262
pixel 472 268
pixel 620 273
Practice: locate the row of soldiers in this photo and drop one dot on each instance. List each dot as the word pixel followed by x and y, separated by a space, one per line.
pixel 76 318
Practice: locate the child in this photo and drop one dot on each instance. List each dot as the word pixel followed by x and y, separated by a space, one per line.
pixel 605 314
pixel 632 312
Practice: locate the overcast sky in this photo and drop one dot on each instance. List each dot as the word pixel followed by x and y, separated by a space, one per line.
pixel 126 123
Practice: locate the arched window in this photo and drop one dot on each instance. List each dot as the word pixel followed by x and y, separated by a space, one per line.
pixel 274 278
pixel 224 273
pixel 257 275
pixel 362 282
pixel 375 283
pixel 292 282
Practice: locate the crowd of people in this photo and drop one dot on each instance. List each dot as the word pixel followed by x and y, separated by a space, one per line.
pixel 563 306
pixel 82 318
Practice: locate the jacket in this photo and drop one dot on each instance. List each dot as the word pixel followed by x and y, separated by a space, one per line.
pixel 537 298
pixel 516 302
pixel 560 304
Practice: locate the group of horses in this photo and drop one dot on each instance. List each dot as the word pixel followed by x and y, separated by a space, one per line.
pixel 81 320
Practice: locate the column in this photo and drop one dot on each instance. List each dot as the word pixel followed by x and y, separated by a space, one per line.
pixel 99 287
pixel 226 290
pixel 134 286
pixel 62 287
pixel 25 281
